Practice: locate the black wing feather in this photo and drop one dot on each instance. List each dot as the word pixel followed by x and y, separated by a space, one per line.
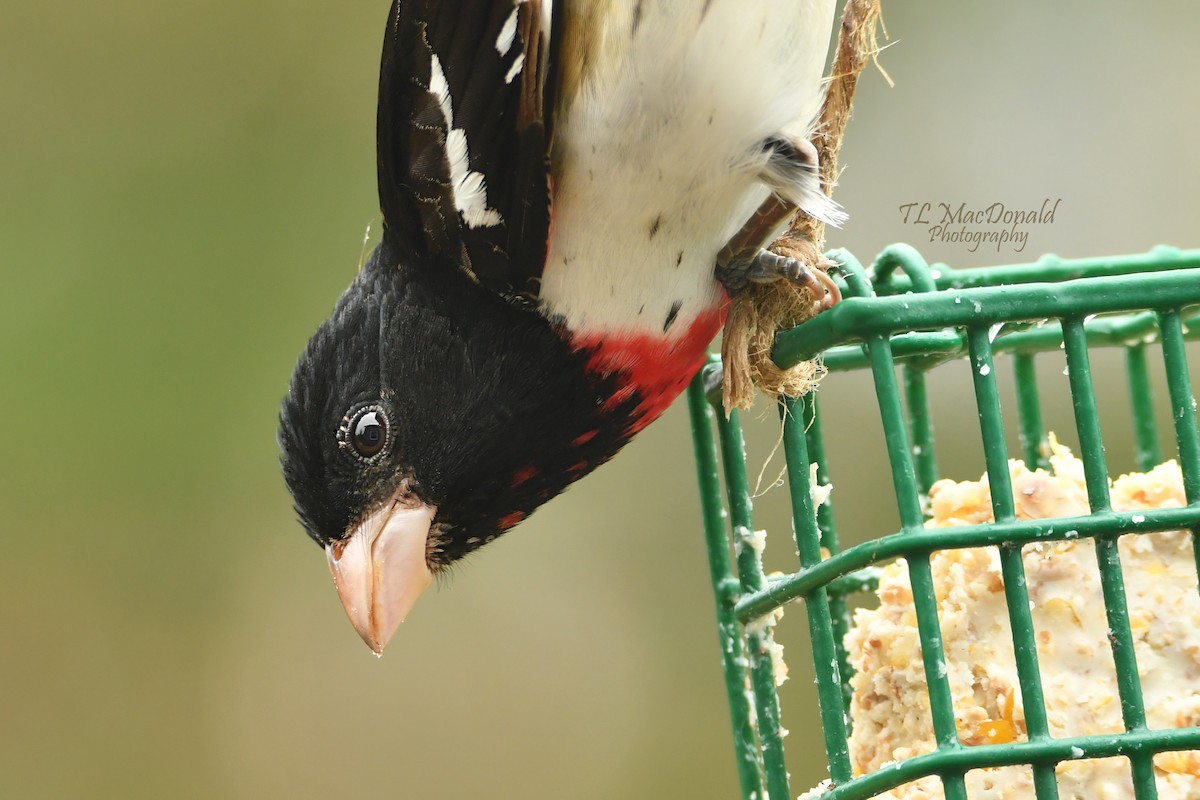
pixel 505 124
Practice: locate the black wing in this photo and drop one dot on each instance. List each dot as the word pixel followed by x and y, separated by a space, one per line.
pixel 463 135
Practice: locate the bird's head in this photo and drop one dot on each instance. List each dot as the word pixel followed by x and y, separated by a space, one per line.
pixel 343 437
pixel 426 417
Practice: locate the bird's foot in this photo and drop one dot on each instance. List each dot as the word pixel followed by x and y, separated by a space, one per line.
pixel 768 267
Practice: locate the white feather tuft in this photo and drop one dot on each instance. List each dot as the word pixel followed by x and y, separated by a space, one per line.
pixel 515 69
pixel 508 32
pixel 440 88
pixel 470 188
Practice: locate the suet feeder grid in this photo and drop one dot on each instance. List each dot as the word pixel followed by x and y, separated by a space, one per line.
pixel 899 319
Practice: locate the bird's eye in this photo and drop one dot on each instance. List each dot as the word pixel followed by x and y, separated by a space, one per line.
pixel 368 431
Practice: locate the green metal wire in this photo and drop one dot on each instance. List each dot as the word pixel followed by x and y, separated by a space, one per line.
pixel 991 426
pixel 758 637
pixel 849 561
pixel 912 519
pixel 1029 411
pixel 1141 401
pixel 825 645
pixel 836 595
pixel 920 426
pixel 903 312
pixel 725 590
pixel 1183 403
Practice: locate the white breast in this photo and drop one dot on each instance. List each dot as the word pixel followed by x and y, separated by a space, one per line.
pixel 657 152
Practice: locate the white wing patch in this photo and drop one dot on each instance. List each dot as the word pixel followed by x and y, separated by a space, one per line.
pixel 470 188
pixel 515 69
pixel 508 33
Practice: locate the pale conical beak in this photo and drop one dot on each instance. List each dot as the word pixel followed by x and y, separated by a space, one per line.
pixel 380 569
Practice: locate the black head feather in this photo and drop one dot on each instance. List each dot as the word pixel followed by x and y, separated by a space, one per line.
pixel 490 411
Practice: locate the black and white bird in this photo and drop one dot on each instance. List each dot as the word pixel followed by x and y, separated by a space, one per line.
pixel 556 179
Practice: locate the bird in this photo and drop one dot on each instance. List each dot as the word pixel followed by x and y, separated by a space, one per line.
pixel 556 179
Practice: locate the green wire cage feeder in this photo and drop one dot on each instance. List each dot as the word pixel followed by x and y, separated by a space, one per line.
pixel 900 319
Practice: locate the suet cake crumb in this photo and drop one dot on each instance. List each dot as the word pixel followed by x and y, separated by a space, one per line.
pixel 890 704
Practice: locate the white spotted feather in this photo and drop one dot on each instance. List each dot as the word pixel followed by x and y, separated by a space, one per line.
pixel 470 187
pixel 658 157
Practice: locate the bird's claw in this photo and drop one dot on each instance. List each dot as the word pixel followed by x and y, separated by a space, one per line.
pixel 768 267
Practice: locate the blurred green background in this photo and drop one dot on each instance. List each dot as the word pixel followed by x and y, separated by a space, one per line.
pixel 184 189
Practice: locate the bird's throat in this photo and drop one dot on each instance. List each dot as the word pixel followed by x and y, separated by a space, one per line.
pixel 655 368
